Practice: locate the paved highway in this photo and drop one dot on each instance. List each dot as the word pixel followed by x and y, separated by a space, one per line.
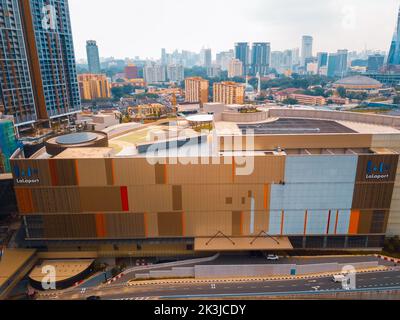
pixel 365 281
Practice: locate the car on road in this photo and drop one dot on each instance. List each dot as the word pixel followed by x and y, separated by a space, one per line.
pixel 272 257
pixel 93 298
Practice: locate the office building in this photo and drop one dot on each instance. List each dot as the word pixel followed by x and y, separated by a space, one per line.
pixel 375 62
pixel 338 64
pixel 196 90
pixel 322 58
pixel 394 51
pixel 322 180
pixel 224 58
pixel 38 70
pixel 175 73
pixel 229 93
pixel 93 57
pixel 261 57
pixel 154 73
pixel 306 49
pixel 242 53
pixel 164 57
pixel 214 71
pixel 131 72
pixel 235 68
pixel 206 58
pixel 94 86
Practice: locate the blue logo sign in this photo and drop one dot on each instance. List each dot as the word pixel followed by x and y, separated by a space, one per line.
pixel 26 176
pixel 378 171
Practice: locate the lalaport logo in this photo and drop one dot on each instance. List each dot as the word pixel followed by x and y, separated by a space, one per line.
pixel 26 176
pixel 378 171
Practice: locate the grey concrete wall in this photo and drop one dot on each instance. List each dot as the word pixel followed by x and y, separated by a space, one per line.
pixel 234 271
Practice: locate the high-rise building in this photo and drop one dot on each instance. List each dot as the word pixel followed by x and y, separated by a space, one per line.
pixel 322 58
pixel 93 57
pixel 196 90
pixel 235 68
pixel 175 73
pixel 306 49
pixel 261 57
pixel 94 86
pixel 206 58
pixel 131 72
pixel 375 62
pixel 214 71
pixel 224 58
pixel 337 64
pixel 164 59
pixel 229 93
pixel 37 61
pixel 154 73
pixel 242 52
pixel 394 52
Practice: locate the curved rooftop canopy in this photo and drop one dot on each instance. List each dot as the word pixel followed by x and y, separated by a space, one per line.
pixel 200 118
pixel 361 81
pixel 76 138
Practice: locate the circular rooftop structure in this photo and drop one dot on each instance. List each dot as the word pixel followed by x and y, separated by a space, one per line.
pixel 358 82
pixel 94 139
pixel 76 138
pixel 200 118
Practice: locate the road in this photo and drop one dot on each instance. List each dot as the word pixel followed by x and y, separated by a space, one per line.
pixel 365 281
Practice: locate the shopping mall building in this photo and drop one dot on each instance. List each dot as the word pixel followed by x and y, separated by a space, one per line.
pixel 320 180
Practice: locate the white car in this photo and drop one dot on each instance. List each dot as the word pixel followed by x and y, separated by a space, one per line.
pixel 340 278
pixel 272 257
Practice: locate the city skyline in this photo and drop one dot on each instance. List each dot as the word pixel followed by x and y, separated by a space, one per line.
pixel 283 26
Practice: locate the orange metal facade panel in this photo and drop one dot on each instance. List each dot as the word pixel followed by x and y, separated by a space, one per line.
pixel 354 221
pixel 100 225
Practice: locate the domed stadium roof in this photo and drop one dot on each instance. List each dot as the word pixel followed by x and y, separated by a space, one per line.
pixel 362 81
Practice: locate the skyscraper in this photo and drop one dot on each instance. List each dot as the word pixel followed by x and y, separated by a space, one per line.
pixel 261 57
pixel 394 52
pixel 37 60
pixel 93 57
pixel 206 58
pixel 154 73
pixel 242 52
pixel 375 62
pixel 224 58
pixel 175 73
pixel 196 90
pixel 337 64
pixel 235 68
pixel 322 59
pixel 306 49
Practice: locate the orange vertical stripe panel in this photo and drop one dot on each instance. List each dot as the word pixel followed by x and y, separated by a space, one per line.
pixel 266 196
pixel 165 174
pixel 282 221
pixel 53 172
pixel 305 222
pixel 77 172
pixel 233 169
pixel 241 222
pixel 354 221
pixel 146 230
pixel 183 224
pixel 113 171
pixel 100 225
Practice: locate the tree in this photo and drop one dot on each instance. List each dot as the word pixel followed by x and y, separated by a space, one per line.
pixel 341 92
pixel 290 101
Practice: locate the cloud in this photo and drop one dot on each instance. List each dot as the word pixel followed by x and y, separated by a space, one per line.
pixel 141 28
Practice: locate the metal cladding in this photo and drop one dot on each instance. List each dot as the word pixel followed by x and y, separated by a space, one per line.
pixel 305 195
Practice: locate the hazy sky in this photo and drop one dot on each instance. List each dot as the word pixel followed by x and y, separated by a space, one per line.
pixel 129 28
